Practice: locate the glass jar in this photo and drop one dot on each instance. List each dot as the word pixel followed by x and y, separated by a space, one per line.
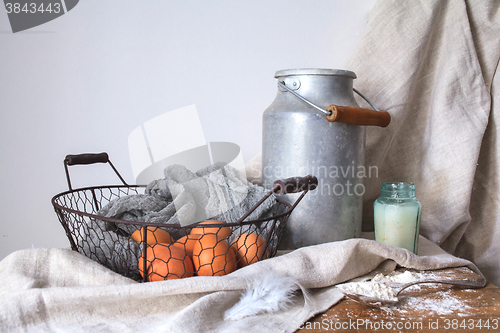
pixel 397 216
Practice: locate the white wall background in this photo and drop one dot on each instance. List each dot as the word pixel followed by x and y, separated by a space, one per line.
pixel 83 82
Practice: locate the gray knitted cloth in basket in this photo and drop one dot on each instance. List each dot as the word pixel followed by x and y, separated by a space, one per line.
pixel 218 192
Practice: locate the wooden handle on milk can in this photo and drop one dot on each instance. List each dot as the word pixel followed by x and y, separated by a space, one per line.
pixel 358 116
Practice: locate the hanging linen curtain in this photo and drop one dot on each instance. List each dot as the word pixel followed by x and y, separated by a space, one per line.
pixel 433 65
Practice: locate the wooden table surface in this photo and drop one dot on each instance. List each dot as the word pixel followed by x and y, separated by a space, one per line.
pixel 424 308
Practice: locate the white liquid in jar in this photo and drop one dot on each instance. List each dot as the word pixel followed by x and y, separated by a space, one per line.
pixel 397 225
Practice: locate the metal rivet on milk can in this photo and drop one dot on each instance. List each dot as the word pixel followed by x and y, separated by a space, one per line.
pixel 314 126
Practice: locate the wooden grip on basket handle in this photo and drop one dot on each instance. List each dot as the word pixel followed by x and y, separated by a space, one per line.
pixel 358 116
pixel 295 184
pixel 88 158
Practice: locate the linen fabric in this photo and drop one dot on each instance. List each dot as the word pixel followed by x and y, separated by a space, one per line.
pixel 59 290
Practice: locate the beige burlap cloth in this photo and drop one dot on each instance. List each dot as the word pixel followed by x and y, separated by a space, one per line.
pixel 58 290
pixel 432 64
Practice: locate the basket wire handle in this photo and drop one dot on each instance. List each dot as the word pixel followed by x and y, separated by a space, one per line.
pixel 285 186
pixel 281 187
pixel 295 184
pixel 88 158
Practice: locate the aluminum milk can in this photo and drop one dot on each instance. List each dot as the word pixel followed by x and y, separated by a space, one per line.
pixel 315 127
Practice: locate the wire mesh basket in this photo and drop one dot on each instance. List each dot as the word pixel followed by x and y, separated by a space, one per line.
pixel 148 252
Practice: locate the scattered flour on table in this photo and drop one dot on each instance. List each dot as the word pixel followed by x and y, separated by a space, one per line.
pixel 444 303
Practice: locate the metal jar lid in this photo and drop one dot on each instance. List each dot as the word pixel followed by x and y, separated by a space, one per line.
pixel 314 71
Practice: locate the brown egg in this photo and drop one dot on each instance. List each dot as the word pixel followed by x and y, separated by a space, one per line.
pixel 166 262
pixel 249 247
pixel 213 256
pixel 154 235
pixel 187 243
pixel 221 232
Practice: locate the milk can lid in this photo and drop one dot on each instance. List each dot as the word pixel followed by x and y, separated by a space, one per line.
pixel 314 71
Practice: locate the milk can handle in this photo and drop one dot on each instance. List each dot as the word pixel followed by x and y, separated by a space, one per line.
pixel 349 114
pixel 358 116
